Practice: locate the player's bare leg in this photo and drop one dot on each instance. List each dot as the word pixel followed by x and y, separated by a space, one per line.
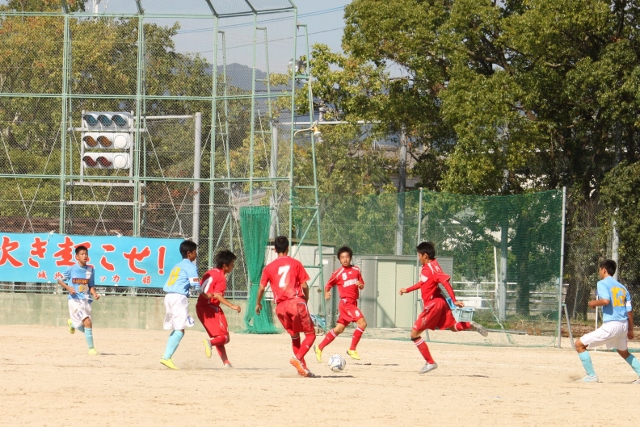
pixel 357 334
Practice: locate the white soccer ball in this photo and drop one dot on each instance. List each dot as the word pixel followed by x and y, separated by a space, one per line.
pixel 337 363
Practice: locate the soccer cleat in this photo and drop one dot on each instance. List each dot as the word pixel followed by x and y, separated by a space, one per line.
pixel 72 330
pixel 588 379
pixel 228 364
pixel 479 328
pixel 636 381
pixel 318 353
pixel 92 351
pixel 354 354
pixel 298 365
pixel 168 363
pixel 207 348
pixel 428 367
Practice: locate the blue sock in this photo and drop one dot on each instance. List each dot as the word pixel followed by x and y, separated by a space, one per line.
pixel 635 364
pixel 81 328
pixel 172 344
pixel 585 358
pixel 88 335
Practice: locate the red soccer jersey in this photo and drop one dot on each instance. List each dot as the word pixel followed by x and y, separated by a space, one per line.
pixel 347 279
pixel 213 282
pixel 286 275
pixel 430 276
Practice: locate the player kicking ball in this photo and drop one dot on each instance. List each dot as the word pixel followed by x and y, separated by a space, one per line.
pixel 349 282
pixel 617 322
pixel 288 280
pixel 212 288
pixel 436 313
pixel 81 287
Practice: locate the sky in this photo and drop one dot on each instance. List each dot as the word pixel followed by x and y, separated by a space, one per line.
pixel 324 21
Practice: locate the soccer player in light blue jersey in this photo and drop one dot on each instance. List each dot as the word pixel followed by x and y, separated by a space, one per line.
pixel 182 277
pixel 617 322
pixel 79 281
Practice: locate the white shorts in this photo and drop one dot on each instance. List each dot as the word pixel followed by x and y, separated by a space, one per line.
pixel 79 309
pixel 177 312
pixel 613 334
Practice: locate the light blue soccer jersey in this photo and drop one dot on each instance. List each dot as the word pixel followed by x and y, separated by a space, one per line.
pixel 619 299
pixel 81 278
pixel 183 276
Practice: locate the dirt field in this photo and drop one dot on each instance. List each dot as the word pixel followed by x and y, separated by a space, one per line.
pixel 47 378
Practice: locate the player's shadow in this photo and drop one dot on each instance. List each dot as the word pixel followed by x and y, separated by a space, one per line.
pixel 334 376
pixel 473 376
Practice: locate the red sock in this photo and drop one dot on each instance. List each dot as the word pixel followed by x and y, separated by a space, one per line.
pixel 219 342
pixel 295 343
pixel 462 326
pixel 328 339
pixel 222 352
pixel 424 350
pixel 356 338
pixel 305 346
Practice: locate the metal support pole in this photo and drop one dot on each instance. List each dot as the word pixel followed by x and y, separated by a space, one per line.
pixel 564 208
pixel 402 181
pixel 273 171
pixel 195 232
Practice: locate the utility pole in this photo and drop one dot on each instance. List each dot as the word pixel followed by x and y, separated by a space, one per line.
pixel 402 185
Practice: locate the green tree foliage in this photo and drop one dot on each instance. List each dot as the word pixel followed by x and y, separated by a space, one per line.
pixel 103 57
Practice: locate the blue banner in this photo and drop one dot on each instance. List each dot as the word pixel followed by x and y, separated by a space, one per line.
pixel 118 261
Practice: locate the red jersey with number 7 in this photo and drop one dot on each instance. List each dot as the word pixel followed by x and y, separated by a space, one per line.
pixel 286 276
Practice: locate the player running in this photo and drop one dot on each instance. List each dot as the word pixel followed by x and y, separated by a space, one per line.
pixel 617 322
pixel 183 276
pixel 349 282
pixel 436 313
pixel 81 288
pixel 213 286
pixel 288 280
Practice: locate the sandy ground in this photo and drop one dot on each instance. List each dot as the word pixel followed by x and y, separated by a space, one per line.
pixel 47 378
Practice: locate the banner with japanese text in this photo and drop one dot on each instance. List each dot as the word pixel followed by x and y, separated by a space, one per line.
pixel 118 261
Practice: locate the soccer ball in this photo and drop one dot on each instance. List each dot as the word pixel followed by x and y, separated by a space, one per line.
pixel 337 363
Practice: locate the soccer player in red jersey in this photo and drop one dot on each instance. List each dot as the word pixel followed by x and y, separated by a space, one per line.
pixel 436 313
pixel 349 282
pixel 288 280
pixel 212 288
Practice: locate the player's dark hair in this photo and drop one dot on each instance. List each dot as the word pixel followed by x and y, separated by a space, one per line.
pixel 187 246
pixel 609 265
pixel 427 248
pixel 281 243
pixel 224 257
pixel 344 249
pixel 81 248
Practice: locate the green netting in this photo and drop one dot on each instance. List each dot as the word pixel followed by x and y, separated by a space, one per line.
pixel 254 225
pixel 506 253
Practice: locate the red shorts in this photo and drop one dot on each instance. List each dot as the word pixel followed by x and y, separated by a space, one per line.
pixel 294 316
pixel 349 311
pixel 213 319
pixel 436 315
